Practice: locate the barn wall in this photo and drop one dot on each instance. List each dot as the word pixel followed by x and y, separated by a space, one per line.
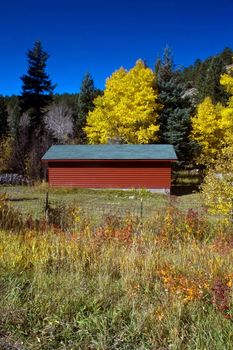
pixel 110 174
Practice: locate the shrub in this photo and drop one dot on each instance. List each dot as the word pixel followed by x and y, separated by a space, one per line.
pixel 66 217
pixel 217 188
pixel 10 218
pixel 6 149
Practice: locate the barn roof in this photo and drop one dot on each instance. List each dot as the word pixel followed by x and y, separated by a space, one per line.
pixel 108 152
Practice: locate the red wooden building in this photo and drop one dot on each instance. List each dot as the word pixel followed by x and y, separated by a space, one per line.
pixel 110 166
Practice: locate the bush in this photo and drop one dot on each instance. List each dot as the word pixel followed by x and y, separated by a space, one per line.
pixel 217 188
pixel 10 218
pixel 66 217
pixel 6 150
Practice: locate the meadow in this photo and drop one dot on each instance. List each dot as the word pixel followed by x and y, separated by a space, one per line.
pixel 159 282
pixel 31 199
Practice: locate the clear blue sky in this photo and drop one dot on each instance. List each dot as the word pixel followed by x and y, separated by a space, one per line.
pixel 100 36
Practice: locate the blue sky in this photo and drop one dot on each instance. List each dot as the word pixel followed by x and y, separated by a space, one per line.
pixel 100 36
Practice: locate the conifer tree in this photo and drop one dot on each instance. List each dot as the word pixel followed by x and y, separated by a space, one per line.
pixel 37 94
pixel 204 76
pixel 175 118
pixel 14 113
pixel 209 84
pixel 37 88
pixel 87 94
pixel 3 117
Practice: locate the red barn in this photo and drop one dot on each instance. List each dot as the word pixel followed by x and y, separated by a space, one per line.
pixel 111 166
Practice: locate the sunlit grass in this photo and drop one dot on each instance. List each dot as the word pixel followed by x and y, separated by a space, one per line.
pixel 30 200
pixel 166 284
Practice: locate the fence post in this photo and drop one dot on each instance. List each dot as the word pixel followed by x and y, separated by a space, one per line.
pixel 232 210
pixel 46 205
pixel 141 209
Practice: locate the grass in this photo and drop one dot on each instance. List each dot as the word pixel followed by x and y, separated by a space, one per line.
pixel 187 177
pixel 115 290
pixel 31 199
pixel 164 284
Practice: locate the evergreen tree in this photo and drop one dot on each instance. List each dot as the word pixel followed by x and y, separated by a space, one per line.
pixel 37 94
pixel 3 116
pixel 14 113
pixel 164 70
pixel 175 118
pixel 37 88
pixel 70 100
pixel 209 83
pixel 85 104
pixel 205 75
pixel 179 122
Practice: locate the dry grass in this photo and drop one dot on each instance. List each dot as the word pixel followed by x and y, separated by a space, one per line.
pixel 30 200
pixel 164 285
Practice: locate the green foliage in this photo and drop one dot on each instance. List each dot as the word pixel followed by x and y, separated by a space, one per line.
pixel 37 93
pixel 3 117
pixel 71 100
pixel 14 112
pixel 6 152
pixel 204 76
pixel 37 88
pixel 137 106
pixel 86 97
pixel 175 118
pixel 210 84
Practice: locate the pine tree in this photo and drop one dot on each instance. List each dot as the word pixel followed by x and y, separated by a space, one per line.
pixel 37 88
pixel 209 84
pixel 175 118
pixel 3 117
pixel 205 75
pixel 14 112
pixel 87 94
pixel 37 94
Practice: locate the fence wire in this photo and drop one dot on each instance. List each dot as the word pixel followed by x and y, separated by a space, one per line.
pixel 60 209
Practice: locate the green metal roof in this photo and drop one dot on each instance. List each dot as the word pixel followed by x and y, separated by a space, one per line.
pixel 75 152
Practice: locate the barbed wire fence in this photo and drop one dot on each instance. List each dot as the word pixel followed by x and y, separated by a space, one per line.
pixel 51 209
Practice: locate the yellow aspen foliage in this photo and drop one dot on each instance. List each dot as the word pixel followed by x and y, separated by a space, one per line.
pixel 128 110
pixel 208 127
pixel 226 80
pixel 217 188
pixel 213 124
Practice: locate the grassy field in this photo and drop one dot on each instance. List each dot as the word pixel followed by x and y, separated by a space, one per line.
pixel 164 283
pixel 31 199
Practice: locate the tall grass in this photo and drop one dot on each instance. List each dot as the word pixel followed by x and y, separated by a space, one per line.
pixel 166 284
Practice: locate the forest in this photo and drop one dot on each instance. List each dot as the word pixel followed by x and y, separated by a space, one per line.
pixel 188 107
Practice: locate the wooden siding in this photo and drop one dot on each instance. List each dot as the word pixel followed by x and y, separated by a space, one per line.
pixel 110 174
